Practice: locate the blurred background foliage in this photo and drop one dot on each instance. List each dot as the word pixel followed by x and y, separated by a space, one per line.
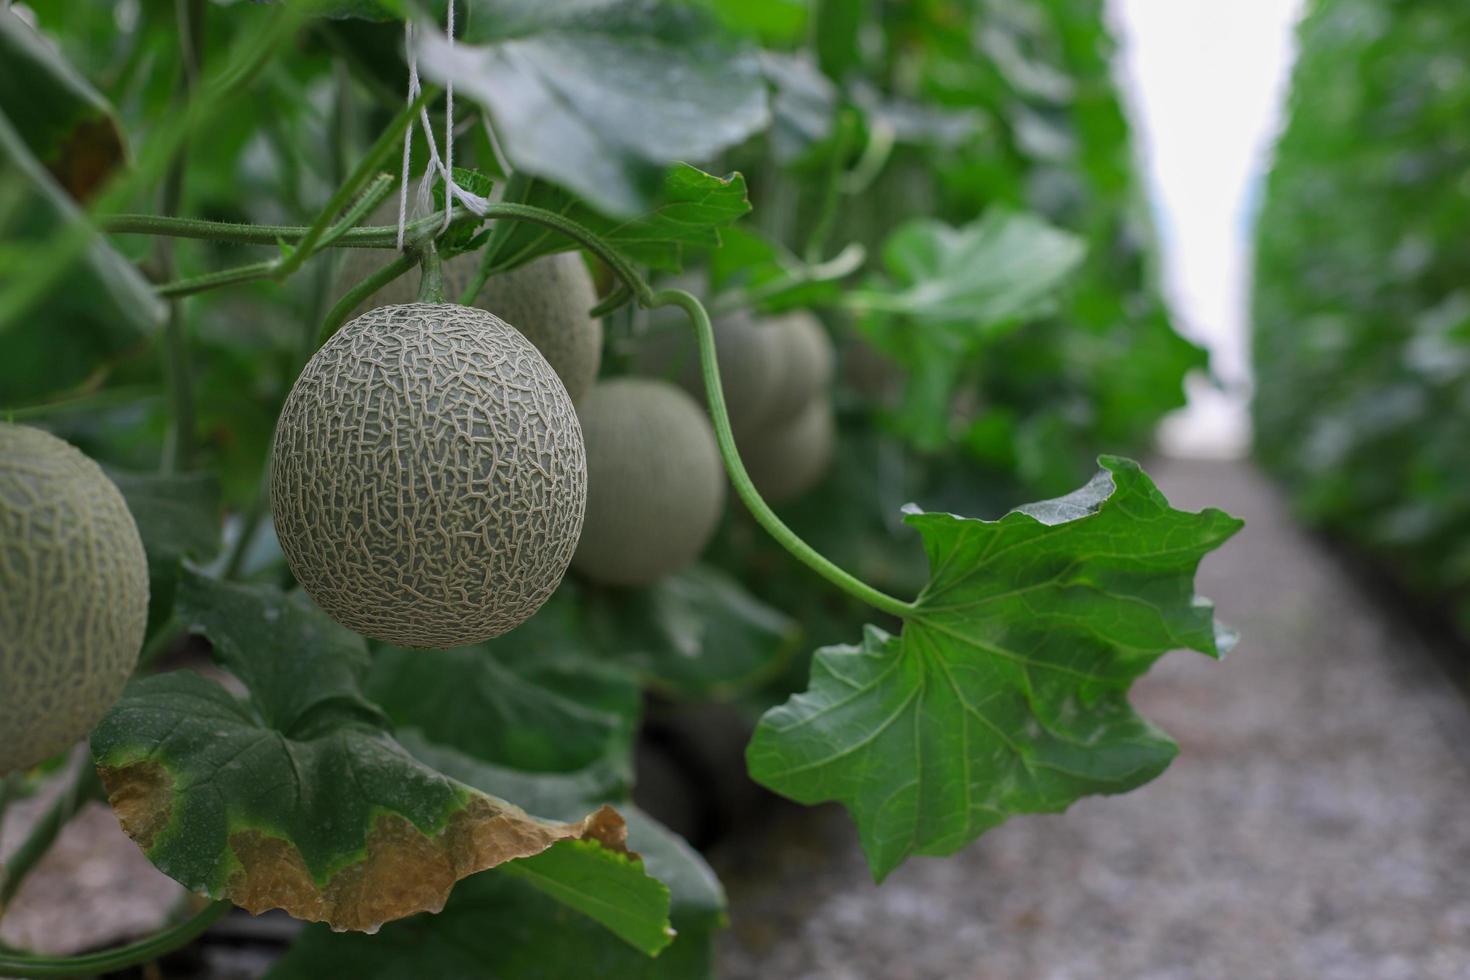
pixel 1362 289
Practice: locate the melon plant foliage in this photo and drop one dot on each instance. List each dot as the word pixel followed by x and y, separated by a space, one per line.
pixel 407 572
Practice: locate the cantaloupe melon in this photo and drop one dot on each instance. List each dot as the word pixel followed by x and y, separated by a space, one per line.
pixel 789 459
pixel 428 477
pixel 73 595
pixel 547 300
pixel 803 363
pixel 655 483
pixel 746 353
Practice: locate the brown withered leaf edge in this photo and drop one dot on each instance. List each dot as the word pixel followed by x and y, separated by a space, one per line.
pixel 405 871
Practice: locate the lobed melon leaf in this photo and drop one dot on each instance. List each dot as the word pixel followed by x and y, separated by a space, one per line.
pixel 500 922
pixel 299 797
pixel 1006 691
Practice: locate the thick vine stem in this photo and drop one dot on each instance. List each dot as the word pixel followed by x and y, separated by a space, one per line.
pixel 143 951
pixel 787 538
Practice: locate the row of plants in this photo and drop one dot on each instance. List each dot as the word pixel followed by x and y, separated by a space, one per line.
pixel 1362 318
pixel 668 376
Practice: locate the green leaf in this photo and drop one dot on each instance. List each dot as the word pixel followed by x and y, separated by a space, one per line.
pixel 528 699
pixel 688 213
pixel 697 632
pixel 601 96
pixel 773 279
pixel 177 515
pixel 1006 691
pixel 58 326
pixel 498 925
pixel 803 104
pixel 605 886
pixel 66 123
pixel 836 29
pixel 698 901
pixel 999 268
pixel 494 926
pixel 298 797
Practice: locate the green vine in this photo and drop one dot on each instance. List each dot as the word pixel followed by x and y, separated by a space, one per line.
pixel 143 951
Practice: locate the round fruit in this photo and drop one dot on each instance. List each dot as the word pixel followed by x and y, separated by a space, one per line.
pixel 786 461
pixel 73 595
pixel 746 354
pixel 655 485
pixel 804 361
pixel 428 478
pixel 547 300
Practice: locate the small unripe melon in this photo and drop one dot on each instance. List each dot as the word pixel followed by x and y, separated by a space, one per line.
pixel 747 356
pixel 428 478
pixel 655 484
pixel 804 362
pixel 73 595
pixel 547 300
pixel 789 459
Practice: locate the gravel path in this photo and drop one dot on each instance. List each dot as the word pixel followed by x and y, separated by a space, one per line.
pixel 1316 824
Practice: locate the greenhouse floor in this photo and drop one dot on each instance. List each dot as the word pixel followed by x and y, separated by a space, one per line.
pixel 1315 825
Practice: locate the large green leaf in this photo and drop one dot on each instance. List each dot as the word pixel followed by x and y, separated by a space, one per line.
pixel 601 96
pixel 178 516
pixel 689 212
pixel 66 123
pixel 1000 267
pixel 58 329
pixel 698 633
pixel 1006 691
pixel 494 927
pixel 497 925
pixel 298 797
pixel 532 699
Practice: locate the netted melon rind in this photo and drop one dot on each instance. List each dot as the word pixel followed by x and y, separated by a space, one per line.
pixel 547 300
pixel 655 483
pixel 428 478
pixel 73 595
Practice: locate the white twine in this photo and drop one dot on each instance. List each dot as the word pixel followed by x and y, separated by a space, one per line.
pixel 442 167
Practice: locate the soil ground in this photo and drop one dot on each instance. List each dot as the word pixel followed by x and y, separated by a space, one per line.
pixel 1316 824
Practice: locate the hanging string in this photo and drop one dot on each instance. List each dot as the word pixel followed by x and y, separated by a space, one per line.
pixel 444 167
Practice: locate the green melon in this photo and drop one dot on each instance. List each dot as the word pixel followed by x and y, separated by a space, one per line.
pixel 804 361
pixel 746 353
pixel 547 300
pixel 428 477
pixel 791 458
pixel 73 595
pixel 655 484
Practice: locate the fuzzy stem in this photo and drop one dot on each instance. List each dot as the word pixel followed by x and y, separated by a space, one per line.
pixel 364 172
pixel 367 236
pixel 762 512
pixel 431 281
pixel 110 961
